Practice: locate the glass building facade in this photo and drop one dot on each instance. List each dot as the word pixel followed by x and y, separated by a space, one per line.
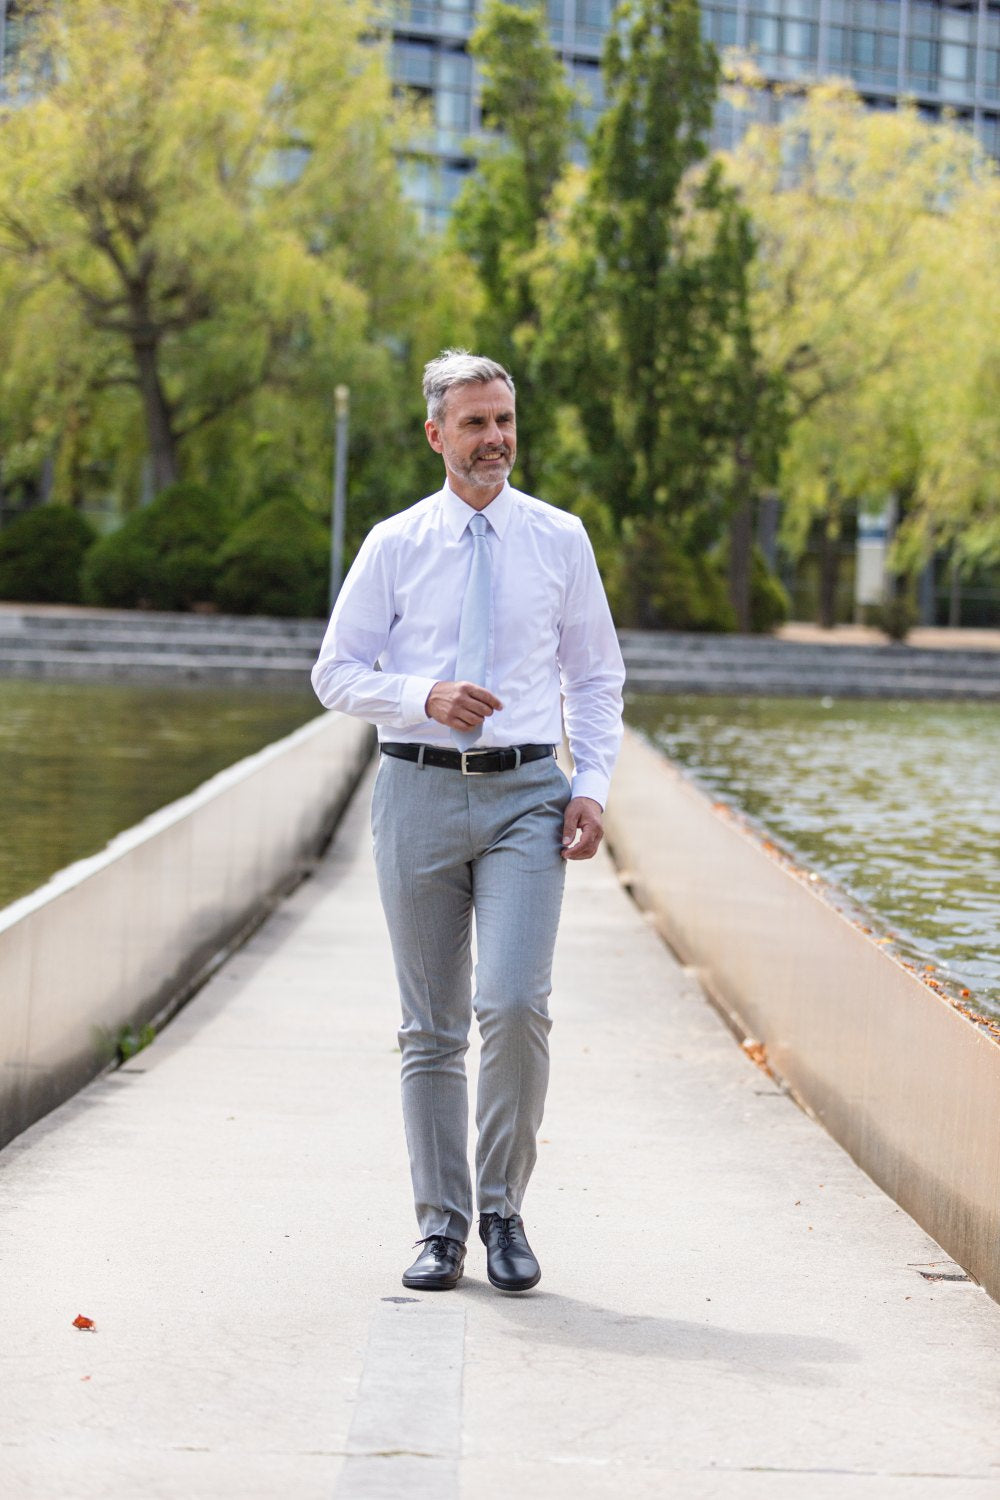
pixel 946 56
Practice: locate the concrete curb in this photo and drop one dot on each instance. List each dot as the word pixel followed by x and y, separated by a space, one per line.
pixel 904 1081
pixel 124 937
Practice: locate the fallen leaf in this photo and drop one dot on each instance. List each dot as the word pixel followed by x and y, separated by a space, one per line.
pixel 81 1322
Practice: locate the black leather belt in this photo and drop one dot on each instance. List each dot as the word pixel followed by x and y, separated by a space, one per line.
pixel 469 762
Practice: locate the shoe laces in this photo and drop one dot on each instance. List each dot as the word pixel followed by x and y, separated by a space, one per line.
pixel 438 1243
pixel 506 1229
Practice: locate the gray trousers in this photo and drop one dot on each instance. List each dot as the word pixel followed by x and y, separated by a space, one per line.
pixel 448 847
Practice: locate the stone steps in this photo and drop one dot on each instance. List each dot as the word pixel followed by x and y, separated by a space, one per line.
pixel 134 644
pixel 137 644
pixel 764 665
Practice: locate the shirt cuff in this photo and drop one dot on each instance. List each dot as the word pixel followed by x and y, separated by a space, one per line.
pixel 592 784
pixel 413 699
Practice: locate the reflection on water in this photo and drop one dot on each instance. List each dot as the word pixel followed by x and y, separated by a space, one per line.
pixel 81 761
pixel 897 803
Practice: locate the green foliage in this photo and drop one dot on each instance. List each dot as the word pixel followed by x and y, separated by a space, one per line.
pixel 896 617
pixel 649 283
pixel 202 233
pixel 500 219
pixel 41 553
pixel 873 296
pixel 162 557
pixel 769 602
pixel 131 1040
pixel 665 586
pixel 277 562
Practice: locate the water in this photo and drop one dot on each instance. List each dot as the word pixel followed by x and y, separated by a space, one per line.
pixel 896 803
pixel 79 762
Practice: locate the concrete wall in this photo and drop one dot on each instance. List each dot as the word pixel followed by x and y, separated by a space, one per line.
pixel 902 1079
pixel 118 938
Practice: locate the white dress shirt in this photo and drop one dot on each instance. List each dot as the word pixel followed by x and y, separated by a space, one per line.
pixel 552 631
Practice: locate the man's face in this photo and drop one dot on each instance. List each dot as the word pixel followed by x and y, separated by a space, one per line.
pixel 476 436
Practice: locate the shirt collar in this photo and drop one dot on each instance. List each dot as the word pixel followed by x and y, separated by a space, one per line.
pixel 458 514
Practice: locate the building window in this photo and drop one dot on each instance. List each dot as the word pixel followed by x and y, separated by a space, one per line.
pixel 956 26
pixel 451 111
pixel 923 57
pixel 719 26
pixel 764 32
pixel 798 39
pixel 955 61
pixel 991 74
pixel 838 47
pixel 413 63
pixel 864 49
pixel 924 19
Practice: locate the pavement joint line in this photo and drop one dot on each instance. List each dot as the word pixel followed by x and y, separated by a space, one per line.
pixel 406 1433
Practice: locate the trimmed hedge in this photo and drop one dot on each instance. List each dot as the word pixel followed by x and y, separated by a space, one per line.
pixel 41 553
pixel 162 557
pixel 277 562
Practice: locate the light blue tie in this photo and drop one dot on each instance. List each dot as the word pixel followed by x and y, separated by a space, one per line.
pixel 474 625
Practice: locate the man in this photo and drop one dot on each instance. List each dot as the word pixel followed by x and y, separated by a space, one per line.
pixel 478 603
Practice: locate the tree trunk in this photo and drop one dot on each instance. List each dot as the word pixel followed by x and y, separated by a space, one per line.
pixel 740 559
pixel 159 428
pixel 829 567
pixel 955 596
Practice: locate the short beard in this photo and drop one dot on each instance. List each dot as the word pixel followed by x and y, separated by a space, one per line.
pixel 472 474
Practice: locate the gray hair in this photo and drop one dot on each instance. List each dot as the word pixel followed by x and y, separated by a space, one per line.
pixel 458 367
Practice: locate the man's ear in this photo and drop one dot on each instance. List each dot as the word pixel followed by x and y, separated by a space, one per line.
pixel 433 435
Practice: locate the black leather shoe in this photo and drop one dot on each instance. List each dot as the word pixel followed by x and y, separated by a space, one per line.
pixel 438 1267
pixel 510 1262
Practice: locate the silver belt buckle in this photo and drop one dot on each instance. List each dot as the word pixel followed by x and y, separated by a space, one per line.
pixel 465 767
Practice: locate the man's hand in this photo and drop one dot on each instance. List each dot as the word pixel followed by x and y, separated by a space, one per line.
pixel 583 818
pixel 460 705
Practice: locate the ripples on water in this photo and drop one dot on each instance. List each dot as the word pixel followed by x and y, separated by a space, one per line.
pixel 79 762
pixel 897 803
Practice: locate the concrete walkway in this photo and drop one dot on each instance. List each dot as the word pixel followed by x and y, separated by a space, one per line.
pixel 729 1307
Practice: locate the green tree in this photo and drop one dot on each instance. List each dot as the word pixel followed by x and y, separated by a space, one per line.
pixel 199 212
pixel 875 271
pixel 500 219
pixel 648 332
pixel 955 499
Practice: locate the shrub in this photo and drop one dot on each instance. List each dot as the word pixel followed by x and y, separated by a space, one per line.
pixel 896 617
pixel 769 602
pixel 664 587
pixel 277 562
pixel 162 557
pixel 40 555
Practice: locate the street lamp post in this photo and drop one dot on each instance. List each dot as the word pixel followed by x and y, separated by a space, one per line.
pixel 342 401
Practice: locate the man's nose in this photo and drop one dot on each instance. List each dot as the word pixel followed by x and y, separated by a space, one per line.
pixel 494 436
